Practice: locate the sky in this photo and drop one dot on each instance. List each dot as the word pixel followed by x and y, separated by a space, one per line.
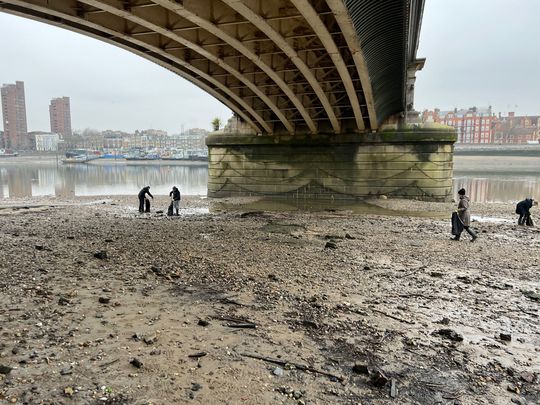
pixel 479 53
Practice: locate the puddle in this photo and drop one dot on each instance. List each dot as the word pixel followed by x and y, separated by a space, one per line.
pixel 338 207
pixel 493 220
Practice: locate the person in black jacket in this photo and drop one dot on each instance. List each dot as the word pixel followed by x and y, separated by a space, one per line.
pixel 522 209
pixel 175 195
pixel 142 197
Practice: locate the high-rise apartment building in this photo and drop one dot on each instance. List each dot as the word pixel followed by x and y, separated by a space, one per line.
pixel 60 116
pixel 14 116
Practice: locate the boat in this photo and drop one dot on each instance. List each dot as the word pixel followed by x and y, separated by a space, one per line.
pixel 7 153
pixel 79 159
pixel 75 159
pixel 82 152
pixel 143 156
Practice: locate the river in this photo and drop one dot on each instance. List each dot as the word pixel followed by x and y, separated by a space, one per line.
pixel 486 179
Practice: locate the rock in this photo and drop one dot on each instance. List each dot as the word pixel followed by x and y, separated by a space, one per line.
pixel 449 334
pixel 63 301
pixel 202 322
pixel 383 197
pixel 135 362
pixel 513 388
pixel 331 244
pixel 527 376
pixel 159 212
pixel 68 391
pixel 100 254
pixel 378 379
pixel 278 371
pixel 444 321
pixel 506 337
pixel 5 369
pixel 393 389
pixel 531 295
pixel 436 274
pixel 197 355
pixel 273 277
pixel 66 371
pixel 285 390
pixel 104 300
pixel 39 247
pixel 360 369
pixel 297 395
pixel 155 352
pixel 150 340
pixel 310 324
pixel 349 236
pixel 196 387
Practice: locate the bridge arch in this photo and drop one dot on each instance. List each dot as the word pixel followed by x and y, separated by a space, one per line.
pixel 283 66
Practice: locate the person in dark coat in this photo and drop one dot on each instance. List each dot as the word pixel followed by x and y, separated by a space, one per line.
pixel 522 209
pixel 142 197
pixel 175 195
pixel 464 215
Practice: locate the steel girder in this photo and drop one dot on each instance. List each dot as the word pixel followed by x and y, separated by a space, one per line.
pixel 283 66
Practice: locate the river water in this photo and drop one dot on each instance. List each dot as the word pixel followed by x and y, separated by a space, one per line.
pixel 486 179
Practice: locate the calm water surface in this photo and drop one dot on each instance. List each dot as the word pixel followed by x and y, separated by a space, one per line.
pixel 18 180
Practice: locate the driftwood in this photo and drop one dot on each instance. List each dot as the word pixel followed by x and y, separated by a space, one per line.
pixel 298 366
pixel 109 363
pixel 394 317
pixel 237 322
pixel 242 325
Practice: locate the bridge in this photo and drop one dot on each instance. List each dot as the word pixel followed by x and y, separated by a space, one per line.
pixel 322 89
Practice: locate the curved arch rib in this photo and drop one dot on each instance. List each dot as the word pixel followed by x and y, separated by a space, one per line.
pixel 349 32
pixel 313 19
pixel 109 35
pixel 179 9
pixel 240 7
pixel 203 52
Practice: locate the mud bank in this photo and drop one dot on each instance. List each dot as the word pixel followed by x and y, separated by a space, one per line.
pixel 102 305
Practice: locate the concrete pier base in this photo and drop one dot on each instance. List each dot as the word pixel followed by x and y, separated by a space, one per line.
pixel 410 163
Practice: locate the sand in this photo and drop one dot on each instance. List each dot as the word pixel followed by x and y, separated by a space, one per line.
pixel 90 290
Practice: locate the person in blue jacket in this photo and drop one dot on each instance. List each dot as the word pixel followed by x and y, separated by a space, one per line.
pixel 523 210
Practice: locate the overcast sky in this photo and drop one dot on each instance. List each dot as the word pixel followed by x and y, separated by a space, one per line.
pixel 479 52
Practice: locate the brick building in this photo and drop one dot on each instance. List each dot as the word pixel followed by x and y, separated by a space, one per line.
pixel 516 129
pixel 60 113
pixel 473 125
pixel 14 116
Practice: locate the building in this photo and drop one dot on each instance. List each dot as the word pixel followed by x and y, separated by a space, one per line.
pixel 44 141
pixel 516 129
pixel 14 116
pixel 60 113
pixel 473 125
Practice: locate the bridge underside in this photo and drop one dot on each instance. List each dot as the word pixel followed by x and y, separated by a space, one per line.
pixel 283 66
pixel 312 80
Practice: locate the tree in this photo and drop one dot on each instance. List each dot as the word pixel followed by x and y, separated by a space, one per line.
pixel 216 124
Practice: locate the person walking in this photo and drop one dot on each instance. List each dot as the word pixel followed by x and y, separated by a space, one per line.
pixel 464 215
pixel 522 209
pixel 175 195
pixel 142 199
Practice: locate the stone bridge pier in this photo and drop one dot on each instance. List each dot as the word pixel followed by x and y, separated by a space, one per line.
pixel 413 162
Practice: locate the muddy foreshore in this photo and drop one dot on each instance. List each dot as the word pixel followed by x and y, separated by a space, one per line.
pixel 102 305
